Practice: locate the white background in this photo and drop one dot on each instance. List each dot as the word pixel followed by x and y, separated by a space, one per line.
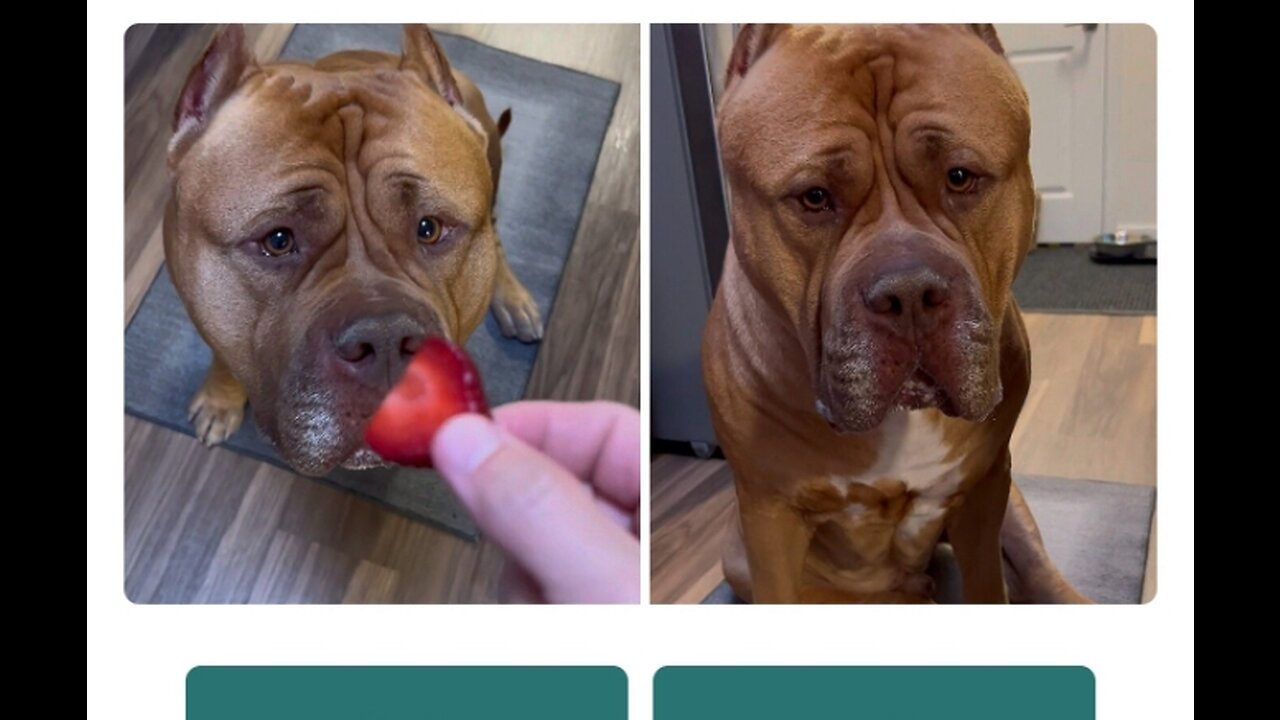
pixel 138 656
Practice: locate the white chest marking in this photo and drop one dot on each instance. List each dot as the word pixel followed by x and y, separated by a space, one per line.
pixel 914 453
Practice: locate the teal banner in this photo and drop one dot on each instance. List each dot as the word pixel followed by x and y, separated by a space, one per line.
pixel 874 693
pixel 401 693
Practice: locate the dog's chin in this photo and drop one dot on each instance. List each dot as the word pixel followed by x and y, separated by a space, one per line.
pixel 318 461
pixel 848 411
pixel 318 423
pixel 364 459
pixel 919 391
pixel 317 436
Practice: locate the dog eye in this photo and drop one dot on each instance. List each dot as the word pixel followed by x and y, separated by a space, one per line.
pixel 429 230
pixel 279 242
pixel 961 180
pixel 816 199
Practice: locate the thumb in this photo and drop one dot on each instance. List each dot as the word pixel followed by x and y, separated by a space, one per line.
pixel 543 517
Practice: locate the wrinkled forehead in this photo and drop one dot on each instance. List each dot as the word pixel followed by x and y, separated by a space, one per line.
pixel 815 79
pixel 293 115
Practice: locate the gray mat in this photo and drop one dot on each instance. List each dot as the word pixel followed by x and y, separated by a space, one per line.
pixel 1064 279
pixel 1095 531
pixel 559 118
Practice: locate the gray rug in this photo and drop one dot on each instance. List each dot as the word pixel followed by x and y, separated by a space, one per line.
pixel 1095 531
pixel 559 118
pixel 1062 278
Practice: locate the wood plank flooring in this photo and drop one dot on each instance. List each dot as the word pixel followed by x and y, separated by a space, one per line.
pixel 212 526
pixel 1091 413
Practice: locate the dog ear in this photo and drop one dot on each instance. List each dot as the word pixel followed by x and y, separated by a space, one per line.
pixel 423 56
pixel 987 32
pixel 210 82
pixel 753 39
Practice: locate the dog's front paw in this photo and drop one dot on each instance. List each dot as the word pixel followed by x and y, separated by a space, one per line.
pixel 217 410
pixel 516 312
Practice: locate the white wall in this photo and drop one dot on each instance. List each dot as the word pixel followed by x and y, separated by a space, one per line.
pixel 719 40
pixel 1129 170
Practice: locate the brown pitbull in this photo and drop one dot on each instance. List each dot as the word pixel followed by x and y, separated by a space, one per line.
pixel 864 356
pixel 324 219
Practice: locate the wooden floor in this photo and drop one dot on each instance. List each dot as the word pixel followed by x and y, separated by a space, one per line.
pixel 213 526
pixel 1091 413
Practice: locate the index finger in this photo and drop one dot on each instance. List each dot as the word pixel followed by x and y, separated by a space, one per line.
pixel 597 441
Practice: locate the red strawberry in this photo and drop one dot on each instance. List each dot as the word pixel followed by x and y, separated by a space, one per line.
pixel 440 382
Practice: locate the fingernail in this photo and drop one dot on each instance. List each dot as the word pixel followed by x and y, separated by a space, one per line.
pixel 464 444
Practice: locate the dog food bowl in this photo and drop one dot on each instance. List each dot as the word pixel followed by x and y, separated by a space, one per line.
pixel 1123 246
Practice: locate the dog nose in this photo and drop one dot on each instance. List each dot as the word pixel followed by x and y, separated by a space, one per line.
pixel 909 298
pixel 376 348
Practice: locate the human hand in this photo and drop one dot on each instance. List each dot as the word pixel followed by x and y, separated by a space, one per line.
pixel 557 486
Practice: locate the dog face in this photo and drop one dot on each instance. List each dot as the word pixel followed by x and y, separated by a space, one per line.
pixel 888 168
pixel 324 220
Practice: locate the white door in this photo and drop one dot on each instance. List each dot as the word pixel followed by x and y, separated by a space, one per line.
pixel 1063 68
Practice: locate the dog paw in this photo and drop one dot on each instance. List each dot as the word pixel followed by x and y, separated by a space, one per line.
pixel 516 312
pixel 216 412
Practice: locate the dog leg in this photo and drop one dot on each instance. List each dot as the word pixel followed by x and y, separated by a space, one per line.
pixel 1031 574
pixel 513 307
pixel 776 538
pixel 217 409
pixel 974 532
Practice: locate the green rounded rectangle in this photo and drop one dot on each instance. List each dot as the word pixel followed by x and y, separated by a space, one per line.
pixel 874 693
pixel 400 693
